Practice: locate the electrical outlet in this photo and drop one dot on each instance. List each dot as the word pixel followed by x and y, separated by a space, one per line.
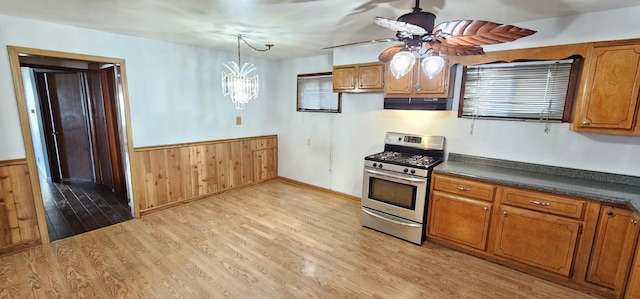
pixel 308 141
pixel 238 120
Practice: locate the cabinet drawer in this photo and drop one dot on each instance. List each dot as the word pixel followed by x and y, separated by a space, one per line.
pixel 468 188
pixel 544 202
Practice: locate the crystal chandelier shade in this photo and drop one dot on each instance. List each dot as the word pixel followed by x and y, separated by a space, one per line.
pixel 237 83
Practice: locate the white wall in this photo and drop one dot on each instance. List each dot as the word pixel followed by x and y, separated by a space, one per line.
pixel 174 90
pixel 340 141
pixel 174 94
pixel 35 117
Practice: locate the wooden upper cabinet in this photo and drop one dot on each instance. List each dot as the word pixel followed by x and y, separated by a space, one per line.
pixel 613 248
pixel 359 78
pixel 417 84
pixel 344 78
pixel 610 100
pixel 536 239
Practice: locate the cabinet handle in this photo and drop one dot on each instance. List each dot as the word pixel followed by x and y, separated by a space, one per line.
pixel 586 122
pixel 417 87
pixel 462 188
pixel 486 209
pixel 539 203
pixel 634 222
pixel 505 213
pixel 610 213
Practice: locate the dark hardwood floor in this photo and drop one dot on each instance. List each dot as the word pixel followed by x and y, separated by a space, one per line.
pixel 78 207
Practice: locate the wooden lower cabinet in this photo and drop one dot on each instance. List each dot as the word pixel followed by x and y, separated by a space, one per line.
pixel 461 220
pixel 175 174
pixel 613 248
pixel 576 242
pixel 537 239
pixel 633 285
pixel 265 164
pixel 18 220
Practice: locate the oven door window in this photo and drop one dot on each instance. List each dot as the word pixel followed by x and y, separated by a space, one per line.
pixel 397 194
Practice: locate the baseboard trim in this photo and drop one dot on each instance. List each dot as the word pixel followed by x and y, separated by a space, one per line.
pixel 13 162
pixel 294 182
pixel 11 249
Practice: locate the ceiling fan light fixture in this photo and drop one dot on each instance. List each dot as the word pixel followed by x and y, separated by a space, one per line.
pixel 402 63
pixel 432 65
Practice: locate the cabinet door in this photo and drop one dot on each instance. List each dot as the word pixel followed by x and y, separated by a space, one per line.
pixel 611 99
pixel 633 285
pixel 397 88
pixel 344 78
pixel 537 239
pixel 613 247
pixel 458 219
pixel 265 164
pixel 436 87
pixel 371 77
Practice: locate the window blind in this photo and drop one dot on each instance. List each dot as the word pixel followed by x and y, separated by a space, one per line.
pixel 315 93
pixel 535 90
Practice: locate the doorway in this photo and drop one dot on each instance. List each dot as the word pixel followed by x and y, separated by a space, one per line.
pixel 78 154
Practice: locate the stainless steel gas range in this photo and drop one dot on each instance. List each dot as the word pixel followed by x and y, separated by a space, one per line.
pixel 395 187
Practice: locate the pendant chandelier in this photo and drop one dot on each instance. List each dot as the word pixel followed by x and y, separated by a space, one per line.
pixel 237 83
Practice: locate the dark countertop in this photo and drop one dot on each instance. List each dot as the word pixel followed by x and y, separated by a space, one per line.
pixel 598 186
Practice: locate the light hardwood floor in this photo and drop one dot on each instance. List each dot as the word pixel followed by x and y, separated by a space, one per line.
pixel 273 240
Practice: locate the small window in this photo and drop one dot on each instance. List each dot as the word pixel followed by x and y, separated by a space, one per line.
pixel 534 90
pixel 315 93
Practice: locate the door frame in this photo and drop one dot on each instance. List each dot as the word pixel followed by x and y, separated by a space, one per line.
pixel 14 60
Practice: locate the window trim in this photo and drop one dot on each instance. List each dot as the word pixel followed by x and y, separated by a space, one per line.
pixel 572 86
pixel 298 109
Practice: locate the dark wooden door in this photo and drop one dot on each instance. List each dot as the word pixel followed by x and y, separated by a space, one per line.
pixel 65 114
pixel 103 86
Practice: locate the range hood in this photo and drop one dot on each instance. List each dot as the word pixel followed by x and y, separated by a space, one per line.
pixel 418 103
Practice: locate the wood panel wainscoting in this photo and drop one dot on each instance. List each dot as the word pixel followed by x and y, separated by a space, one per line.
pixel 269 240
pixel 18 221
pixel 176 174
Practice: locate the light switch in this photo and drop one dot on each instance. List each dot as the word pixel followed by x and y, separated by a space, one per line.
pixel 238 120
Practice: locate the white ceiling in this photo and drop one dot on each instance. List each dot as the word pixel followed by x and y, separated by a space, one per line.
pixel 298 28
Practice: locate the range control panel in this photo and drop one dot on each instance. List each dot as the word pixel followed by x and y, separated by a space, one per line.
pixel 418 141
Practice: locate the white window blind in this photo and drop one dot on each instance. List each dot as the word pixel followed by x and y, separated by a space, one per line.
pixel 534 90
pixel 315 94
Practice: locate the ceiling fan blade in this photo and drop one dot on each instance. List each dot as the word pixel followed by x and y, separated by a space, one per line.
pixel 382 40
pixel 387 54
pixel 403 27
pixel 478 33
pixel 455 50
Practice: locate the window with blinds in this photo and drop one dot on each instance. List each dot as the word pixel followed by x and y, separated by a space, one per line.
pixel 315 93
pixel 533 90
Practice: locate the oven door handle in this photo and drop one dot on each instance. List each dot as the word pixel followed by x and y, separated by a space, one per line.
pixel 390 220
pixel 412 180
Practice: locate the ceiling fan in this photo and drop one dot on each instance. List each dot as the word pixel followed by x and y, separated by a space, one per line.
pixel 418 34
